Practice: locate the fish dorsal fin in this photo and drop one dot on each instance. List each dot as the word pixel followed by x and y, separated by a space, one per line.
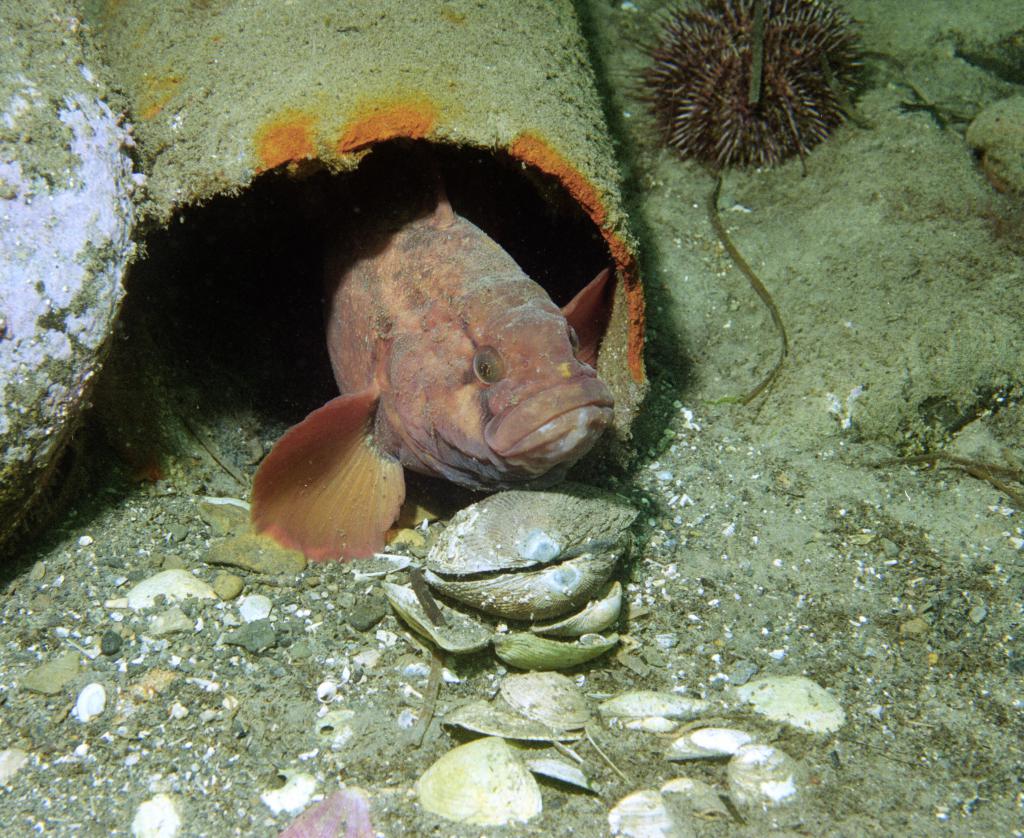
pixel 588 314
pixel 324 488
pixel 443 215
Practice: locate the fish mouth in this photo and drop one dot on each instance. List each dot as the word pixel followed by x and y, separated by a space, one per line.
pixel 555 426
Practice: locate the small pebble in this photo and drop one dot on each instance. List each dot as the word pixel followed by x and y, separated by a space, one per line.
pixel 11 762
pixel 171 621
pixel 255 637
pixel 111 643
pixel 51 677
pixel 977 614
pixel 255 607
pixel 227 586
pixel 364 615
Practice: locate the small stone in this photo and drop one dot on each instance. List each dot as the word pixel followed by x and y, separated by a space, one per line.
pixel 412 539
pixel 977 614
pixel 366 613
pixel 227 586
pixel 51 677
pixel 169 622
pixel 91 703
pixel 257 554
pixel 914 627
pixel 255 637
pixel 158 817
pixel 111 643
pixel 173 562
pixel 255 607
pixel 177 533
pixel 173 585
pixel 741 672
pixel 301 650
pixel 225 516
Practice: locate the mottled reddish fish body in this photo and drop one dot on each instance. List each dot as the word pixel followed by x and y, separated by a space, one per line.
pixel 451 362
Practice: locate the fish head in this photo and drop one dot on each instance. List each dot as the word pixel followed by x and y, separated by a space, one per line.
pixel 505 400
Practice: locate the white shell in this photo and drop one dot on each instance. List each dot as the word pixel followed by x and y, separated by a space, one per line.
pixel 643 814
pixel 707 743
pixel 91 702
pixel 639 704
pixel 762 776
pixel 460 634
pixel 596 616
pixel 484 717
pixel 482 783
pixel 795 700
pixel 548 698
pixel 695 796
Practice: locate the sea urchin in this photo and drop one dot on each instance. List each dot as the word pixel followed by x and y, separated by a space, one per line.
pixel 751 82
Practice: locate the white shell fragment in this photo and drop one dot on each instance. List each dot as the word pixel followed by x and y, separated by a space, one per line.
pixel 762 776
pixel 460 634
pixel 642 704
pixel 255 607
pixel 482 783
pixel 795 700
pixel 707 743
pixel 157 817
pixel 548 698
pixel 91 702
pixel 175 584
pixel 643 814
pixel 293 796
pixel 557 769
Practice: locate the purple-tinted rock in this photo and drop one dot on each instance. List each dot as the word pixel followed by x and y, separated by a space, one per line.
pixel 66 216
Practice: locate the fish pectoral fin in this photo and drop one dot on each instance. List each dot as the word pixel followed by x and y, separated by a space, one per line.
pixel 588 313
pixel 325 488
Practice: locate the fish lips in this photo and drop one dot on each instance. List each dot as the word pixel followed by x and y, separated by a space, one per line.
pixel 558 424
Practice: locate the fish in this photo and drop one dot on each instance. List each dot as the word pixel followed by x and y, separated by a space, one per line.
pixel 450 362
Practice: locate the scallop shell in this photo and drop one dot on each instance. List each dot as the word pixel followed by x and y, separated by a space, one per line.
pixel 708 743
pixel 557 769
pixel 598 615
pixel 546 697
pixel 539 594
pixel 531 651
pixel 520 529
pixel 482 783
pixel 641 704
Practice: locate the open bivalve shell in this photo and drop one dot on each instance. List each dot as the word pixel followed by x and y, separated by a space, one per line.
pixel 763 776
pixel 494 720
pixel 531 555
pixel 482 783
pixel 707 743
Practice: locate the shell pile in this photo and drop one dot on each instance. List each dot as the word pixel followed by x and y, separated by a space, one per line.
pixel 531 556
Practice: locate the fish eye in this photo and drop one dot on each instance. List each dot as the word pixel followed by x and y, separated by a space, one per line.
pixel 574 340
pixel 488 365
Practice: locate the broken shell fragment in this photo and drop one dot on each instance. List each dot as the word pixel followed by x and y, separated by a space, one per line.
pixel 531 651
pixel 548 698
pixel 482 783
pixel 557 769
pixel 484 717
pixel 707 743
pixel 597 615
pixel 696 796
pixel 762 776
pixel 459 634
